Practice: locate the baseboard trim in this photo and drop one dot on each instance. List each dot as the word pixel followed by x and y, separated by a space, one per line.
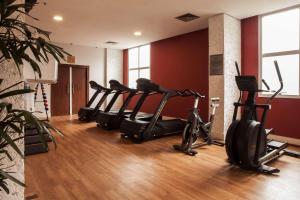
pixel 289 140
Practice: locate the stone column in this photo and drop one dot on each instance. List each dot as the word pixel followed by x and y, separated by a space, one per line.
pixel 11 75
pixel 224 50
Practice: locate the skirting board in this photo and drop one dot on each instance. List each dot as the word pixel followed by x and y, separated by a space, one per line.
pixel 289 140
pixel 279 138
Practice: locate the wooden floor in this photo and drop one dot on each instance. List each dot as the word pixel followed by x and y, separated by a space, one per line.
pixel 91 163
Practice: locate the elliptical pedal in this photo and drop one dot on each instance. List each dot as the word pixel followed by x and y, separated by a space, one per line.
pixel 277 145
pixel 291 153
pixel 268 170
pixel 269 131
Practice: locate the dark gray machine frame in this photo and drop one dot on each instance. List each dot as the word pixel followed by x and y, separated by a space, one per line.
pixel 138 130
pixel 88 113
pixel 112 120
pixel 196 128
pixel 246 141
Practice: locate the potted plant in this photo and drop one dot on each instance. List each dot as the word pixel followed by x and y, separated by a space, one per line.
pixel 19 40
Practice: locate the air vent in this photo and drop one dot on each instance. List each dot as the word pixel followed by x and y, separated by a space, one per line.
pixel 187 17
pixel 111 43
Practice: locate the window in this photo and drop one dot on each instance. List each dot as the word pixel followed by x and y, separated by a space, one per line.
pixel 280 40
pixel 139 64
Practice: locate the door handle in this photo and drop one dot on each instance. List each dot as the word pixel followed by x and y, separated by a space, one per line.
pixel 68 88
pixel 73 88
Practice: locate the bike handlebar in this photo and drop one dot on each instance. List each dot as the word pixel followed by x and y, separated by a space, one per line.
pixel 188 92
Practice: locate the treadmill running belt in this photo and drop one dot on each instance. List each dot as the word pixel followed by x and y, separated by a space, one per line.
pixel 135 129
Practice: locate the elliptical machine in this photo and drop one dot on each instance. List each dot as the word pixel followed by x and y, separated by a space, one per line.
pixel 246 141
pixel 196 128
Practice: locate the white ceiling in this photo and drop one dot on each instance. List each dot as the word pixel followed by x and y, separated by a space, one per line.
pixel 94 22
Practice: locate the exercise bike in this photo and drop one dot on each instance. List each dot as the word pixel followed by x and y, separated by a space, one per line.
pixel 195 129
pixel 246 141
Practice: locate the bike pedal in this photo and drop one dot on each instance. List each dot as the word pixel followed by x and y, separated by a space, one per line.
pixel 192 152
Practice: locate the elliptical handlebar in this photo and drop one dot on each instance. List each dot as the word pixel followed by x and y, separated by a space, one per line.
pixel 279 78
pixel 278 72
pixel 237 68
pixel 265 84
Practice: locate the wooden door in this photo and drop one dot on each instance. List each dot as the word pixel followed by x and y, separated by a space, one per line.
pixel 60 92
pixel 80 77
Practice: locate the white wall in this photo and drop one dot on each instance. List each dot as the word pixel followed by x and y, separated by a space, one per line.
pixel 104 65
pixel 114 64
pixel 114 70
pixel 49 70
pixel 91 56
pixel 49 73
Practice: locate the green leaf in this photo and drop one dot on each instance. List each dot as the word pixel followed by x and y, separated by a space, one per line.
pixel 4 186
pixel 10 141
pixel 49 126
pixel 34 121
pixel 12 9
pixel 17 36
pixel 4 105
pixel 34 65
pixel 15 128
pixel 2 151
pixel 8 176
pixel 15 92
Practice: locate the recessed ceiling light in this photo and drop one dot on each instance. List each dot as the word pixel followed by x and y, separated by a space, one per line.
pixel 58 18
pixel 137 33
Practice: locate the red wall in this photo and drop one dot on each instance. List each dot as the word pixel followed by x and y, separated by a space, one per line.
pixel 178 63
pixel 284 115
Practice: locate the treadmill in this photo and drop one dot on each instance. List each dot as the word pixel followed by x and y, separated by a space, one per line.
pixel 112 119
pixel 88 113
pixel 139 130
